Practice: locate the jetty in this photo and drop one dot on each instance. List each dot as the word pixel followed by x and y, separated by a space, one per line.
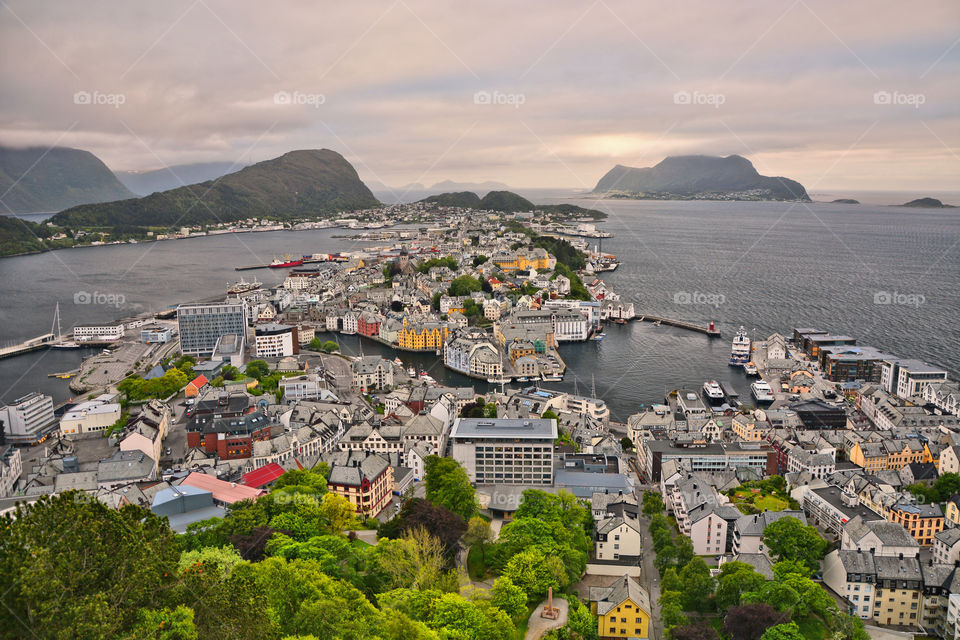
pixel 40 342
pixel 709 330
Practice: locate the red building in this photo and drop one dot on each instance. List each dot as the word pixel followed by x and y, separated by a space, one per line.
pixel 228 438
pixel 368 325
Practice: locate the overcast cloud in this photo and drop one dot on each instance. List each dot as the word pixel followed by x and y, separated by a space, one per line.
pixel 855 95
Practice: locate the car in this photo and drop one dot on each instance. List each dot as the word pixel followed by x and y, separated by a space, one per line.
pixel 169 451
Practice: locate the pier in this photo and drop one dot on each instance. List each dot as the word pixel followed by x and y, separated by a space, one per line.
pixel 682 324
pixel 26 346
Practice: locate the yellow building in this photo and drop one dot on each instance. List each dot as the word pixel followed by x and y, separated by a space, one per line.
pixel 952 511
pixel 622 609
pixel 889 454
pixel 923 521
pixel 746 428
pixel 422 336
pixel 523 259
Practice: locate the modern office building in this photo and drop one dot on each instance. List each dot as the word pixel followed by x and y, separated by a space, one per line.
pixel 203 324
pixel 907 378
pixel 700 456
pixel 276 340
pixel 505 451
pixel 29 419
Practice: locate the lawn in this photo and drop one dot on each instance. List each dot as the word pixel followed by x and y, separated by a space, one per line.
pixel 812 628
pixel 771 503
pixel 761 496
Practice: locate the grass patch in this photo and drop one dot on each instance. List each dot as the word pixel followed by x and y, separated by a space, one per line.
pixel 771 503
pixel 812 628
pixel 522 624
pixel 360 544
pixel 476 565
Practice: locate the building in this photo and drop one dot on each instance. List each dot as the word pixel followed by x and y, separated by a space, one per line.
pixel 923 521
pixel 946 546
pixel 748 530
pixel 365 479
pixel 11 466
pixel 701 456
pixel 945 396
pixel 98 333
pixel 227 437
pixel 155 334
pixel 505 451
pixel 224 493
pixel 29 419
pixel 908 378
pixel 372 372
pixel 92 416
pixel 851 363
pixel 368 324
pixel 274 340
pixel 201 325
pixel 423 336
pixel 622 609
pixel 878 538
pixel 817 414
pixel 618 539
pixel 125 467
pixel 306 387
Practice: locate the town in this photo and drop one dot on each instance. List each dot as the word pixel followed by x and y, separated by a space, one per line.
pixel 827 502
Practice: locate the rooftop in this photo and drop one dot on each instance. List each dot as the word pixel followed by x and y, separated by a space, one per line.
pixel 505 428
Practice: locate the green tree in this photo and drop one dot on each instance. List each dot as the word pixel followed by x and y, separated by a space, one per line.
pixel 448 486
pixel 786 631
pixel 697 585
pixel 478 533
pixel 671 581
pixel 337 512
pixel 464 286
pixel 508 597
pixel 535 572
pixel 258 369
pixel 310 479
pixel 165 624
pixel 652 503
pixel 72 567
pixel 790 539
pixel 735 579
pixel 549 415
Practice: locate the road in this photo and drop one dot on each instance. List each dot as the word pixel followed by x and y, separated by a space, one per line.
pixel 649 575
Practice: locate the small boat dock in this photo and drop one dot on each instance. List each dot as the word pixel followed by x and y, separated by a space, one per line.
pixel 709 330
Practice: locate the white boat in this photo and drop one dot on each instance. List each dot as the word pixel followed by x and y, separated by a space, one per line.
pixel 598 336
pixel 427 378
pixel 713 392
pixel 551 377
pixel 761 391
pixel 740 350
pixel 398 362
pixel 750 369
pixel 65 345
pixel 412 372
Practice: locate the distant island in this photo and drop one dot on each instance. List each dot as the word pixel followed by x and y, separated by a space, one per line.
pixel 143 183
pixel 928 203
pixel 509 202
pixel 698 177
pixel 40 179
pixel 845 201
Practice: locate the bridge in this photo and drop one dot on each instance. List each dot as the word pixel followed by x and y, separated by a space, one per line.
pixel 26 346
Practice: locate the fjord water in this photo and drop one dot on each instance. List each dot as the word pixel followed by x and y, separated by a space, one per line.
pixel 885 275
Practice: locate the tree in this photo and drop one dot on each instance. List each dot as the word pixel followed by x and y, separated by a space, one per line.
pixel 479 260
pixel 549 415
pixel 165 624
pixel 338 513
pixel 786 631
pixel 735 579
pixel 449 486
pixel 463 286
pixel 684 547
pixel 416 561
pixel 535 572
pixel 693 632
pixel 73 567
pixel 749 621
pixel 671 581
pixel 790 539
pixel 478 533
pixel 508 597
pixel 652 503
pixel 258 369
pixel 309 479
pixel 697 585
pixel 626 443
pixel 847 627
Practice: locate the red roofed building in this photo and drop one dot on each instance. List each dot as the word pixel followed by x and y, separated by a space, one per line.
pixel 195 386
pixel 224 493
pixel 368 324
pixel 267 474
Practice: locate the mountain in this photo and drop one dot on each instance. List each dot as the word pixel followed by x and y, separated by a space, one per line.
pixel 845 201
pixel 928 203
pixel 298 183
pixel 144 183
pixel 695 177
pixel 509 202
pixel 467 199
pixel 38 179
pixel 489 185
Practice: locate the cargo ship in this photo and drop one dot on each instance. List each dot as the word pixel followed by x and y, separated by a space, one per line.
pixel 287 261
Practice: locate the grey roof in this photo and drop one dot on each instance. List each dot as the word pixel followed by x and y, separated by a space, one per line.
pixel 855 562
pixel 353 474
pixel 759 561
pixel 889 533
pixel 892 567
pixel 609 524
pixel 125 465
pixel 754 525
pixel 505 428
pixel 948 537
pixel 623 588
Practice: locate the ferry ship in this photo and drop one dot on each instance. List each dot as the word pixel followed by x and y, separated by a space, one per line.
pixel 713 392
pixel 243 286
pixel 762 392
pixel 740 351
pixel 286 262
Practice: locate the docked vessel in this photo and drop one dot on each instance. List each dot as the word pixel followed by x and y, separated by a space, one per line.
pixel 65 345
pixel 761 391
pixel 598 336
pixel 551 377
pixel 243 286
pixel 750 369
pixel 287 261
pixel 713 392
pixel 740 350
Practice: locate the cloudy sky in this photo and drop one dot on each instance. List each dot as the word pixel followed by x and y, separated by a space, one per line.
pixel 849 95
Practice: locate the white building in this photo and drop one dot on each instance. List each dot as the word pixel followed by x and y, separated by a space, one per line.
pixel 945 396
pixel 92 416
pixel 10 469
pixel 155 334
pixel 29 419
pixel 618 539
pixel 907 378
pixel 505 451
pixel 372 372
pixel 570 326
pixel 305 387
pixel 98 333
pixel 276 340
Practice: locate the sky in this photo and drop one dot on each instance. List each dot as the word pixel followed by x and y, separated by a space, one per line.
pixel 855 95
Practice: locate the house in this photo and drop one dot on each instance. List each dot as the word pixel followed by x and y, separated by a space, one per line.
pixel 923 521
pixel 618 539
pixel 622 609
pixel 92 416
pixel 878 538
pixel 262 476
pixel 195 386
pixel 372 372
pixel 946 546
pixel 951 512
pixel 365 479
pixel 748 530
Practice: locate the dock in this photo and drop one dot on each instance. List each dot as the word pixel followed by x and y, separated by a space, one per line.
pixel 251 267
pixel 40 342
pixel 682 324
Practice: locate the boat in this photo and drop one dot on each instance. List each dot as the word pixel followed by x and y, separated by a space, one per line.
pixel 398 362
pixel 750 369
pixel 412 372
pixel 761 391
pixel 551 377
pixel 713 392
pixel 740 350
pixel 598 336
pixel 287 261
pixel 427 378
pixel 69 344
pixel 620 320
pixel 243 286
pixel 522 379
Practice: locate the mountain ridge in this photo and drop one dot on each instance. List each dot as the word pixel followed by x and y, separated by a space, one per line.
pixel 143 183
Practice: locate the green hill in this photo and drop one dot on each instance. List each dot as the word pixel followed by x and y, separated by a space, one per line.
pixel 506 201
pixel 297 184
pixel 467 199
pixel 928 203
pixel 37 179
pixel 509 202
